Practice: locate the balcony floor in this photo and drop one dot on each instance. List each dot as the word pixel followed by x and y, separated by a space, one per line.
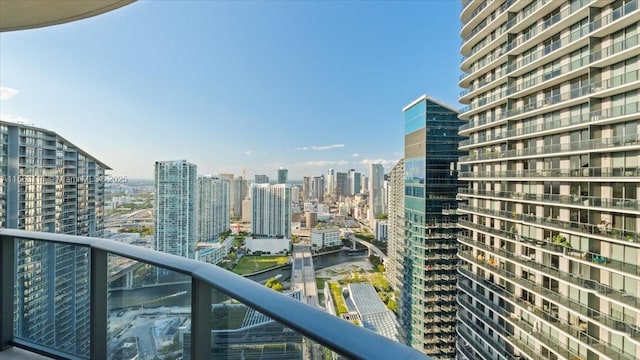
pixel 14 353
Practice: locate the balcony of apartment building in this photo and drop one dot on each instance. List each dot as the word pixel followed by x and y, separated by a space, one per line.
pixel 541 279
pixel 188 325
pixel 486 54
pixel 517 309
pixel 598 226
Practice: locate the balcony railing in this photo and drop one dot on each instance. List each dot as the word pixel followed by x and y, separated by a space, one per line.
pixel 589 27
pixel 592 258
pixel 551 318
pixel 572 200
pixel 587 285
pixel 489 20
pixel 585 228
pixel 476 11
pixel 571 38
pixel 524 37
pixel 585 89
pixel 554 173
pixel 597 317
pixel 80 292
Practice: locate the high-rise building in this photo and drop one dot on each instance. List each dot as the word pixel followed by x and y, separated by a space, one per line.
pixel 234 209
pixel 342 184
pixel 175 203
pixel 271 210
pixel 240 192
pixel 50 185
pixel 212 210
pixel 355 181
pixel 246 210
pixel 330 182
pixel 306 188
pixel 350 181
pixel 295 195
pixel 550 246
pixel 396 245
pixel 385 193
pixel 364 183
pixel 282 175
pixel 376 196
pixel 423 233
pixel 317 188
pixel 261 179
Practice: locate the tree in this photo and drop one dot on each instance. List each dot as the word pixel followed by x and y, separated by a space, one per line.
pixel 382 217
pixel 375 261
pixel 238 241
pixel 274 284
pixel 391 305
pixel 225 235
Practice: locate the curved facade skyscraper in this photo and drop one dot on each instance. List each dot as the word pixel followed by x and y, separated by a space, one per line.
pixel 550 246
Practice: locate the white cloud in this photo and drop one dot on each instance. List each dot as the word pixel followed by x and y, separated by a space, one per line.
pixel 324 147
pixel 355 155
pixel 247 152
pixel 323 163
pixel 386 163
pixel 7 93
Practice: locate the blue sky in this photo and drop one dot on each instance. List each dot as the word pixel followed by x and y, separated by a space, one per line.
pixel 232 85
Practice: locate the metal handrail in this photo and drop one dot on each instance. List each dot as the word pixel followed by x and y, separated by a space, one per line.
pixel 338 335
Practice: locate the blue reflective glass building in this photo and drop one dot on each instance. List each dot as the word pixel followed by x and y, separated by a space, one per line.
pixel 426 268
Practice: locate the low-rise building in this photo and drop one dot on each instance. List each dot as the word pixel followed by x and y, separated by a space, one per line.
pixel 325 237
pixel 268 245
pixel 213 253
pixel 373 313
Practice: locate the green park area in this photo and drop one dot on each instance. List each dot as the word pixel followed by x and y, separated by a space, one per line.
pixel 250 264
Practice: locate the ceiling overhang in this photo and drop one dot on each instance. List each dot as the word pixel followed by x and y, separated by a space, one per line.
pixel 29 14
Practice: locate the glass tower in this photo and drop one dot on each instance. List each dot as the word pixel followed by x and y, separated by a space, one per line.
pixel 426 251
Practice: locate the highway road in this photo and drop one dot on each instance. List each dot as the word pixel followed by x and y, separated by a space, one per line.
pixel 303 276
pixel 370 246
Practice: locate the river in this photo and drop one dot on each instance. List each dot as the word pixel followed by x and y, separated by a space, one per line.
pixel 178 294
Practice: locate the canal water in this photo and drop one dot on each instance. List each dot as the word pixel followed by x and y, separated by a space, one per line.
pixel 178 294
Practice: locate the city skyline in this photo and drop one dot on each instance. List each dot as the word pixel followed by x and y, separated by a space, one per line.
pixel 142 107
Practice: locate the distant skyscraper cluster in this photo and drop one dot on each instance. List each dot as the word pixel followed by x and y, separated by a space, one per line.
pixel 188 209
